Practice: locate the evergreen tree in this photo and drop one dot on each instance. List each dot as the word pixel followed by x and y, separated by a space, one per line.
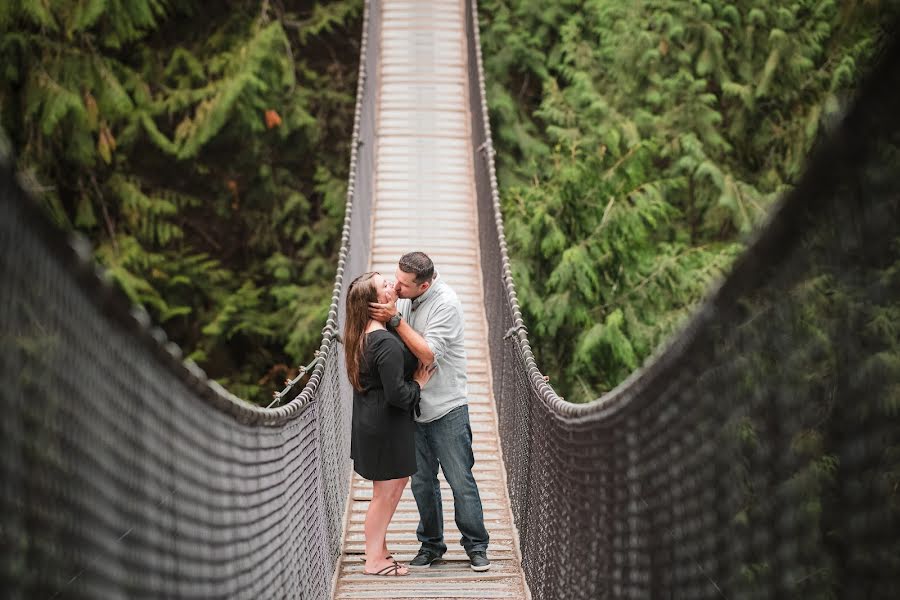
pixel 194 144
pixel 639 142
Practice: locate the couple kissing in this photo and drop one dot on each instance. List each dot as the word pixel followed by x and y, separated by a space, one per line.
pixel 406 360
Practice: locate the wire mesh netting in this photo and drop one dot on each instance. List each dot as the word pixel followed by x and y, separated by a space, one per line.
pixel 126 473
pixel 117 482
pixel 758 455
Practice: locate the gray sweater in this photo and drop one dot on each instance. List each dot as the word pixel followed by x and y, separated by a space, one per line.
pixel 438 316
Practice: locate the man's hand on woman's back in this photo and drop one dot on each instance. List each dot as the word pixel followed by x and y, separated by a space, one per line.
pixel 423 373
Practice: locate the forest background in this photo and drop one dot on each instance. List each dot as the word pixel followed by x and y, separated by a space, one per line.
pixel 203 148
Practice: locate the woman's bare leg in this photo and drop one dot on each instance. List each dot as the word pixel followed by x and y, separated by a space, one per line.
pixel 387 552
pixel 385 497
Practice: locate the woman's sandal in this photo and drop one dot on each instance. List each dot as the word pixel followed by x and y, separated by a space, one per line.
pixel 389 571
pixel 388 557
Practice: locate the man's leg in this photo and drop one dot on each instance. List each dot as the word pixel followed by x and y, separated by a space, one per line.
pixel 451 437
pixel 427 492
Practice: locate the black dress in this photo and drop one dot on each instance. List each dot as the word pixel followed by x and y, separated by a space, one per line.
pixel 382 441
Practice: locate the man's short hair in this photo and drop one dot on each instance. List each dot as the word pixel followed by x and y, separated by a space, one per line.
pixel 419 264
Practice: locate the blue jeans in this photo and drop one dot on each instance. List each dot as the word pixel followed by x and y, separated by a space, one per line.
pixel 447 443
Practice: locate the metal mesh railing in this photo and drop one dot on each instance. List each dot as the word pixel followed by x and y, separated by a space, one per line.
pixel 758 455
pixel 125 472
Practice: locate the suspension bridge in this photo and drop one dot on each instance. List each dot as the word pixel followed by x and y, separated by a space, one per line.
pixel 733 465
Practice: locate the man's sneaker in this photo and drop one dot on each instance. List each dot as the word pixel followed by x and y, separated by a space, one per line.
pixel 479 561
pixel 424 559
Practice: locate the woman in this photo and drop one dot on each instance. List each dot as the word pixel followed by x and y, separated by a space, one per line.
pixel 386 380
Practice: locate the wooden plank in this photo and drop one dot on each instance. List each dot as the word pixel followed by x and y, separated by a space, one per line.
pixel 409 190
pixel 412 516
pixel 396 590
pixel 355 571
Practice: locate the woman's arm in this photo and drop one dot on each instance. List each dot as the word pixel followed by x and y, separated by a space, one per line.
pixel 416 343
pixel 388 355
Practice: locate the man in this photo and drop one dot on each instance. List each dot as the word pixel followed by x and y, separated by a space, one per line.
pixel 428 317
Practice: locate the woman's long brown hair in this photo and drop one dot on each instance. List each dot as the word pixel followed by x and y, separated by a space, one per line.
pixel 362 291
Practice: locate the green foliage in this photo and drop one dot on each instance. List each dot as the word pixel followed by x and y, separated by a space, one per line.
pixel 638 143
pixel 194 144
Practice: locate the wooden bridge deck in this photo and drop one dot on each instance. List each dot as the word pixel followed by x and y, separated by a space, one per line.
pixel 425 200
